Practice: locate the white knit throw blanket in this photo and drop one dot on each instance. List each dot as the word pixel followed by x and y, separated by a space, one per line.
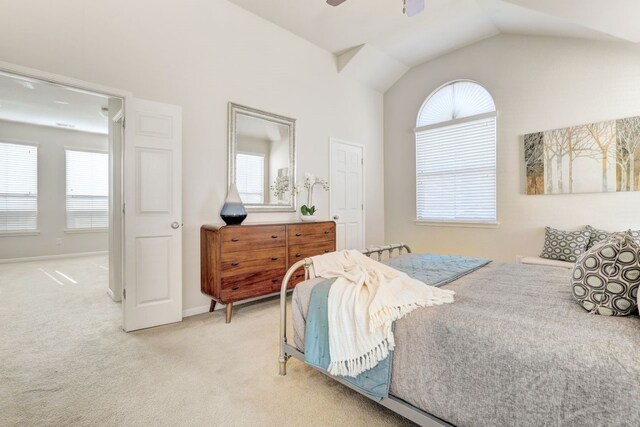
pixel 364 301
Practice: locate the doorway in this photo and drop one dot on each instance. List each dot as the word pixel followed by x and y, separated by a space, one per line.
pixel 347 193
pixel 145 186
pixel 59 184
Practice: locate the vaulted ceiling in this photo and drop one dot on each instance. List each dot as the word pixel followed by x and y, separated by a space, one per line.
pixel 445 25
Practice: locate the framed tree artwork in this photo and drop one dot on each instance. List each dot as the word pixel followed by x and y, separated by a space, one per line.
pixel 597 157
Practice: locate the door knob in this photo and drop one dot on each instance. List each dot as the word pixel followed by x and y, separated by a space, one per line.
pixel 336 217
pixel 175 225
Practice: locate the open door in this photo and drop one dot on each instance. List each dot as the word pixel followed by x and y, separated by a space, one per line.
pixel 152 292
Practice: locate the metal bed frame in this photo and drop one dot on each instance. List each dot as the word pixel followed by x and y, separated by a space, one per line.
pixel 287 350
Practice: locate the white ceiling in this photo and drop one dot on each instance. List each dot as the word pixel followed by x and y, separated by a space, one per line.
pixel 257 128
pixel 445 25
pixel 31 101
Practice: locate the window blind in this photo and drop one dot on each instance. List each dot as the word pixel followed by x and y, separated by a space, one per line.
pixel 87 189
pixel 456 172
pixel 456 100
pixel 250 177
pixel 18 187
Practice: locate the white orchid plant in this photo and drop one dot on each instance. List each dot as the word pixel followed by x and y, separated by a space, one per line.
pixel 280 186
pixel 310 181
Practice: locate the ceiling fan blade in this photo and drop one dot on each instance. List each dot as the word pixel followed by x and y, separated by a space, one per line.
pixel 413 7
pixel 335 2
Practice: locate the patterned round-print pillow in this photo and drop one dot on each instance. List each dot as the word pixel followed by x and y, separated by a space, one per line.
pixel 605 279
pixel 564 245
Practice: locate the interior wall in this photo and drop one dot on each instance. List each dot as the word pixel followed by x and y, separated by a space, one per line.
pixel 116 118
pixel 201 54
pixel 538 84
pixel 52 219
pixel 278 159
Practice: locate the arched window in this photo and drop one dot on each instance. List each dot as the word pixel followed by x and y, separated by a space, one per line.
pixel 456 156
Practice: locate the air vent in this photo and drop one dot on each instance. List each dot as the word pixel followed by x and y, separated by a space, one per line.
pixel 65 125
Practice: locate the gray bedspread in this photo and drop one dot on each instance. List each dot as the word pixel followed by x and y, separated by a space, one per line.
pixel 514 349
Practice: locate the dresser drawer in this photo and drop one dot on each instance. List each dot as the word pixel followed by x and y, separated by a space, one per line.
pixel 241 292
pixel 298 252
pixel 298 276
pixel 244 262
pixel 311 233
pixel 251 285
pixel 234 239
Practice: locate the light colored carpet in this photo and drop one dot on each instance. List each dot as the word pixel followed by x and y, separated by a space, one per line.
pixel 65 361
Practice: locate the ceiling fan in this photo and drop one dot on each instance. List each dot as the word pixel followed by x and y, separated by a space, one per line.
pixel 410 7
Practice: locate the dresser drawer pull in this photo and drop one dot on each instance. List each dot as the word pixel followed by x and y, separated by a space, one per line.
pixel 327 232
pixel 299 275
pixel 326 251
pixel 274 280
pixel 235 239
pixel 235 287
pixel 298 255
pixel 235 263
pixel 274 236
pixel 274 258
pixel 298 234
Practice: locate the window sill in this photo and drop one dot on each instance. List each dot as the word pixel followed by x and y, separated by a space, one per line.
pixel 462 224
pixel 19 233
pixel 85 230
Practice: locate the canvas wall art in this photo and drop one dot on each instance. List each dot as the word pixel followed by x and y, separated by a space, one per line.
pixel 598 157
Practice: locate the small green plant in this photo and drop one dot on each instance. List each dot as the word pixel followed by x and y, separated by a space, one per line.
pixel 306 210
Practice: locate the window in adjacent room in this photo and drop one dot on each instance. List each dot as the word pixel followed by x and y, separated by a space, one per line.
pixel 87 189
pixel 456 156
pixel 18 187
pixel 250 177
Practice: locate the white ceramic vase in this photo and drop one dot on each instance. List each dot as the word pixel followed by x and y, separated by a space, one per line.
pixel 308 218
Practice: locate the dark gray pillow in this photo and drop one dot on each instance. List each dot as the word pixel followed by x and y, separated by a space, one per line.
pixel 598 236
pixel 564 245
pixel 605 279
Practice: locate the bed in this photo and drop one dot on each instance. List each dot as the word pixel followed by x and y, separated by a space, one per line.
pixel 513 350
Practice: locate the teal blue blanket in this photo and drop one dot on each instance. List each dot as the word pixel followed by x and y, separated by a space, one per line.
pixel 434 270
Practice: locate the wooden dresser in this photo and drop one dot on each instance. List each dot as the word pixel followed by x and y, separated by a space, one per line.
pixel 247 261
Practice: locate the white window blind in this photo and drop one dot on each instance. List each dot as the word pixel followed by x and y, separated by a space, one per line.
pixel 250 177
pixel 87 189
pixel 454 101
pixel 18 187
pixel 456 155
pixel 456 172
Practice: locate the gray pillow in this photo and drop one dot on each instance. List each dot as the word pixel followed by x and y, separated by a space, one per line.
pixel 598 236
pixel 605 279
pixel 564 245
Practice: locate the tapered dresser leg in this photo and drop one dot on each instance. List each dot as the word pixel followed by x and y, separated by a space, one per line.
pixel 212 306
pixel 229 308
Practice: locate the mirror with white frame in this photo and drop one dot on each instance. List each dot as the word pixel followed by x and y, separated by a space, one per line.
pixel 262 159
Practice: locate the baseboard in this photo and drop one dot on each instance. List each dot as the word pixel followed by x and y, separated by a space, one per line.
pixel 50 257
pixel 196 310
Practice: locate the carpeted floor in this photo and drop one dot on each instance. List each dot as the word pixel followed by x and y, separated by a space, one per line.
pixel 64 361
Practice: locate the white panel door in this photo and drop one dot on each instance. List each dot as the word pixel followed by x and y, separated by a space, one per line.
pixel 347 190
pixel 153 215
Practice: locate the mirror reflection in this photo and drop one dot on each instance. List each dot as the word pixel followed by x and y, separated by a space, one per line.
pixel 261 159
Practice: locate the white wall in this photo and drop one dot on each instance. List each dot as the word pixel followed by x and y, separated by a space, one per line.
pixel 115 198
pixel 52 218
pixel 201 54
pixel 278 159
pixel 537 84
